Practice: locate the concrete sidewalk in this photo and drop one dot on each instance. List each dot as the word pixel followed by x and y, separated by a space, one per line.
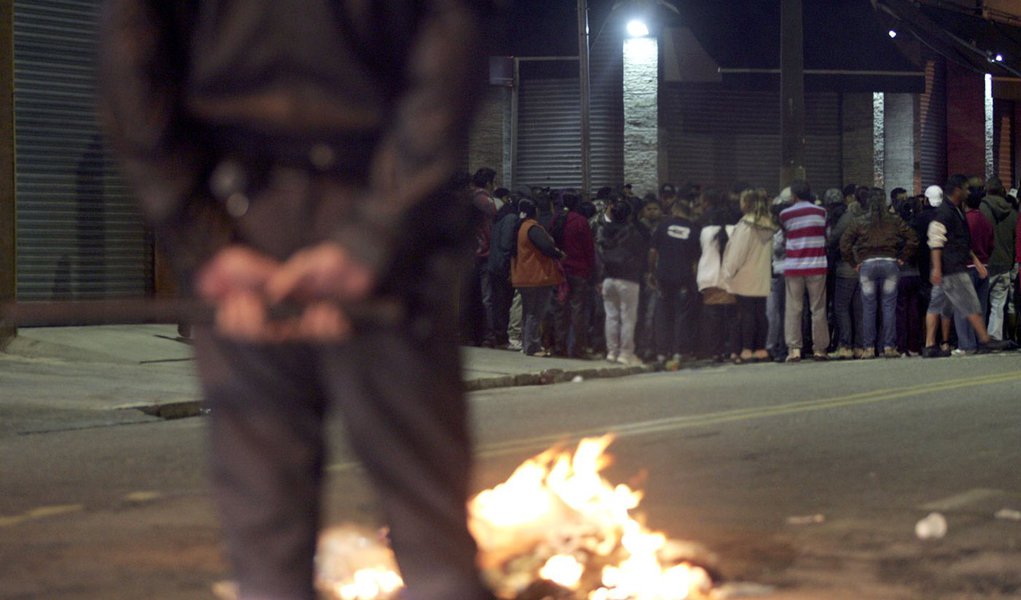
pixel 154 353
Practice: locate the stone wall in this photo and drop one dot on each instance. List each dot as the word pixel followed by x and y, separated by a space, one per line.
pixel 641 110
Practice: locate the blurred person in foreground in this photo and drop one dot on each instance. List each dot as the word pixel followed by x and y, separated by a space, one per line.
pixel 294 156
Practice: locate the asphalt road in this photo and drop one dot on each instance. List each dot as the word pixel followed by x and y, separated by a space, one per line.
pixel 737 458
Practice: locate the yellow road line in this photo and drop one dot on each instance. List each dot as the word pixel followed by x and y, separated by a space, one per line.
pixel 743 414
pixel 543 442
pixel 41 513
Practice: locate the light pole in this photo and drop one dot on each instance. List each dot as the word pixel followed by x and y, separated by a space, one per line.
pixel 584 84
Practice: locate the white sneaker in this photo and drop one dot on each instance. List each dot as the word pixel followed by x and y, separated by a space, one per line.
pixel 612 358
pixel 630 360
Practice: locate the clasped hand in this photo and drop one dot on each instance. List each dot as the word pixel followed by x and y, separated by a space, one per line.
pixel 244 284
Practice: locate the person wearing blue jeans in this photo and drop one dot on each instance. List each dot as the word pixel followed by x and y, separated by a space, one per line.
pixel 876 244
pixel 879 276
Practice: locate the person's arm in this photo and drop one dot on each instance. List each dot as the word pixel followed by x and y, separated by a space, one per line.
pixel 736 252
pixel 848 239
pixel 980 268
pixel 910 245
pixel 142 69
pixel 543 242
pixel 429 125
pixel 937 234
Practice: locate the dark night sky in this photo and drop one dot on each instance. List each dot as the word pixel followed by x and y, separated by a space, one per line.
pixel 545 27
pixel 742 32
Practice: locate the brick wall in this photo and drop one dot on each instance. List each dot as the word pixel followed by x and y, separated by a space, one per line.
pixel 489 140
pixel 966 143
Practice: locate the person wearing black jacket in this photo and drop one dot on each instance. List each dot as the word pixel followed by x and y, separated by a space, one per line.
pixel 621 253
pixel 950 247
pixel 296 155
pixel 500 251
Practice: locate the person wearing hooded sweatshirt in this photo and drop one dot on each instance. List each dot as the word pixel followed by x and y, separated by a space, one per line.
pixel 875 245
pixel 534 272
pixel 1002 275
pixel 621 251
pixel 747 271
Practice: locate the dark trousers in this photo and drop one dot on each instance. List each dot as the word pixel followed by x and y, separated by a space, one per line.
pixel 675 321
pixel 398 390
pixel 645 328
pixel 752 322
pixel 535 303
pixel 910 310
pixel 502 296
pixel 848 311
pixel 720 329
pixel 477 305
pixel 573 319
pixel 405 413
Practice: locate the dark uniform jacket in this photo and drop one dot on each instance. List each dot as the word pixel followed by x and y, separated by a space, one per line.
pixel 186 85
pixel 957 248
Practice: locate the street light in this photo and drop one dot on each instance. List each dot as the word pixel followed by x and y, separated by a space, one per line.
pixel 637 28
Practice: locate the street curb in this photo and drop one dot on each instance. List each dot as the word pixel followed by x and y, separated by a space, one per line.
pixel 193 408
pixel 553 376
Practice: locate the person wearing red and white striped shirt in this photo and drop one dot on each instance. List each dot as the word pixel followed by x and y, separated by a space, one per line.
pixel 804 226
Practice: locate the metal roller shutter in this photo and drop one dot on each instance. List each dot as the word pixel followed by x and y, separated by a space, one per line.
pixel 549 134
pixel 932 117
pixel 718 137
pixel 79 235
pixel 1003 139
pixel 549 123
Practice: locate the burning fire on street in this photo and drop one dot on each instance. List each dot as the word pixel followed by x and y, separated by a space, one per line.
pixel 556 529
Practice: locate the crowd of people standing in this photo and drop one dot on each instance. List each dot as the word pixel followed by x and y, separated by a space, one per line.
pixel 739 275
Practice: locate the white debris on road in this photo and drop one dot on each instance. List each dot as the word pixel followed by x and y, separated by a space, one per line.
pixel 806 520
pixel 1008 514
pixel 932 527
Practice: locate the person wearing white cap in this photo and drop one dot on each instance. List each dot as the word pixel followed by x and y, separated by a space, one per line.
pixel 950 247
pixel 934 194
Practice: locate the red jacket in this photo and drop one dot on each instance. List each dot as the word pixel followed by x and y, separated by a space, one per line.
pixel 981 234
pixel 579 247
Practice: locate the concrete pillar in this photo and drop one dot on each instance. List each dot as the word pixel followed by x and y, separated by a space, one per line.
pixel 8 258
pixel 900 163
pixel 641 114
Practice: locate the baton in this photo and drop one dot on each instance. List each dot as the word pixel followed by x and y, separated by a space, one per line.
pixel 371 314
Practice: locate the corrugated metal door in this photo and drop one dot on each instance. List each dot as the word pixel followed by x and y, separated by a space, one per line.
pixel 549 123
pixel 549 134
pixel 719 137
pixel 1003 141
pixel 79 235
pixel 932 118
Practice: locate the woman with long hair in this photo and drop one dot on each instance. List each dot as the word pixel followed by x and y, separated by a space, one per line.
pixel 876 245
pixel 718 305
pixel 747 271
